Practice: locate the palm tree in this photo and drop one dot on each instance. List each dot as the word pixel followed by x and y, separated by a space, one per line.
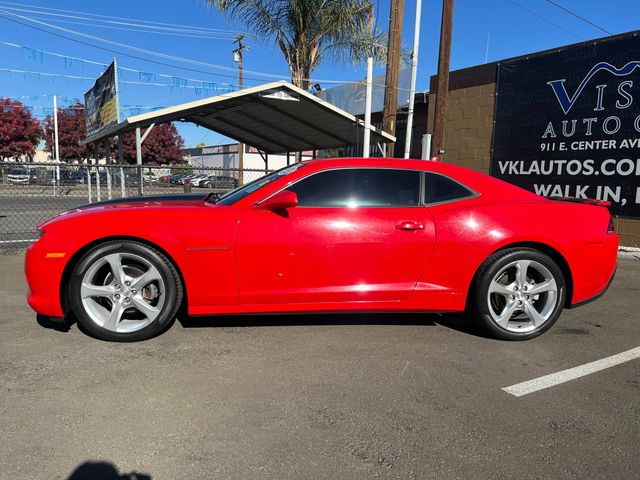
pixel 310 31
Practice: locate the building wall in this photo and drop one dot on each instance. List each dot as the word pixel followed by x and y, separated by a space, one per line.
pixel 469 126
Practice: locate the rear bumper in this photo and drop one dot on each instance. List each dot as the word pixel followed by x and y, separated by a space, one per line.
pixel 597 295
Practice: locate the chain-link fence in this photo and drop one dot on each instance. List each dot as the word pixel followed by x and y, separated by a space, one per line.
pixel 31 193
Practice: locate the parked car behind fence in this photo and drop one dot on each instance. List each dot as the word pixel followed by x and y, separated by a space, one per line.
pixel 30 192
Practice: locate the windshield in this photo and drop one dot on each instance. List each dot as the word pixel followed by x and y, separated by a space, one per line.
pixel 239 193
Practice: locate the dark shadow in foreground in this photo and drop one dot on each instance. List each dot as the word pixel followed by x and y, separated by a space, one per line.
pixel 104 471
pixel 454 321
pixel 54 323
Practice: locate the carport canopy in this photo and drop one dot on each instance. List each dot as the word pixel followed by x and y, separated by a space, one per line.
pixel 276 117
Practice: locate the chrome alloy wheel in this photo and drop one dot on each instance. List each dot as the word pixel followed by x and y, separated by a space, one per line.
pixel 122 292
pixel 522 296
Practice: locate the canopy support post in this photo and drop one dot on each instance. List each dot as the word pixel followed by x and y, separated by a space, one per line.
pixel 139 140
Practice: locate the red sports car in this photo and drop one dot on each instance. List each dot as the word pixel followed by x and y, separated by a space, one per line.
pixel 325 236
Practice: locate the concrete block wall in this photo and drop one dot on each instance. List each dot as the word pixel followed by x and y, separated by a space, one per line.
pixel 469 127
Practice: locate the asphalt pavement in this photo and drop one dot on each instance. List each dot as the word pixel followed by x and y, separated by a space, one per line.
pixel 319 397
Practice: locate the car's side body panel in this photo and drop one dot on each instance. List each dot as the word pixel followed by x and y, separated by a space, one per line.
pixel 465 237
pixel 199 241
pixel 240 259
pixel 331 254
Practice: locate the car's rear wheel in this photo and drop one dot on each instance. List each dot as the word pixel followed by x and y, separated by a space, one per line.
pixel 518 294
pixel 124 291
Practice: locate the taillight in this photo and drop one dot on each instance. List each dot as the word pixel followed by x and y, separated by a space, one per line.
pixel 611 228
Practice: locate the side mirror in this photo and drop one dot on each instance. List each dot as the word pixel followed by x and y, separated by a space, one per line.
pixel 280 201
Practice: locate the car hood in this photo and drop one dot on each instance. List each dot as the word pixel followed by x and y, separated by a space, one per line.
pixel 153 201
pixel 175 199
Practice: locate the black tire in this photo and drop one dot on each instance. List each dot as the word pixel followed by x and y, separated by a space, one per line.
pixel 208 185
pixel 482 306
pixel 171 284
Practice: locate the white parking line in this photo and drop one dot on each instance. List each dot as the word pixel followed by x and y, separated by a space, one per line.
pixel 554 379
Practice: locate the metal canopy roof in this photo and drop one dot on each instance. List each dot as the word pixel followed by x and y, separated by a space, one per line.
pixel 276 117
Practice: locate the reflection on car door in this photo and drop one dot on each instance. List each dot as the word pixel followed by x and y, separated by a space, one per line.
pixel 357 235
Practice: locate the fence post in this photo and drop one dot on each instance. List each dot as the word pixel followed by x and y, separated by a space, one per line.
pixel 98 184
pixel 140 181
pixel 122 187
pixel 108 182
pixel 89 183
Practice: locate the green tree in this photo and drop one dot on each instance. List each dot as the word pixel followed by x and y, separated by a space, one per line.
pixel 310 31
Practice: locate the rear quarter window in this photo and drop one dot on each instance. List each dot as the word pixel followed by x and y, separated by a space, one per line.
pixel 438 189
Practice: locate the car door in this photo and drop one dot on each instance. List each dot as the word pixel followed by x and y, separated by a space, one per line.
pixel 357 234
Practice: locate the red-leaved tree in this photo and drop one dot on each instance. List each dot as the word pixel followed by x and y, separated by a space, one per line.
pixel 20 131
pixel 71 129
pixel 162 146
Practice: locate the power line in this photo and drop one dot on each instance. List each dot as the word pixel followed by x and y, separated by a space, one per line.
pixel 124 45
pixel 155 27
pixel 180 59
pixel 546 19
pixel 141 50
pixel 579 17
pixel 178 26
pixel 116 51
pixel 139 30
pixel 104 65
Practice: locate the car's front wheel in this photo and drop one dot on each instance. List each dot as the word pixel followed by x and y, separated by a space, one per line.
pixel 124 291
pixel 518 294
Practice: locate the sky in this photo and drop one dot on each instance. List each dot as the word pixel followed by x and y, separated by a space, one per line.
pixel 486 30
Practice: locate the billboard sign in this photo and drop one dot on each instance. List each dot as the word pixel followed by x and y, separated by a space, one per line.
pixel 567 123
pixel 101 102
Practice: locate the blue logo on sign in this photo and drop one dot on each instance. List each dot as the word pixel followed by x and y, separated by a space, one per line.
pixel 566 101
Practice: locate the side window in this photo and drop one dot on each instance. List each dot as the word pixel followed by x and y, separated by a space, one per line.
pixel 442 189
pixel 359 187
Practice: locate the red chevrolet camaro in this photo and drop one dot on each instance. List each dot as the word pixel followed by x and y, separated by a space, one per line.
pixel 325 236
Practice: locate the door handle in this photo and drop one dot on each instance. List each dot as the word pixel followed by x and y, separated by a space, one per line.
pixel 410 225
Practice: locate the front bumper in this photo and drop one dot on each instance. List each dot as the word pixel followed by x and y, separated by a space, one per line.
pixel 44 274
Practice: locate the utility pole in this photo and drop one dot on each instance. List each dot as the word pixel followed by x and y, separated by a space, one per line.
pixel 414 72
pixel 442 84
pixel 393 66
pixel 237 57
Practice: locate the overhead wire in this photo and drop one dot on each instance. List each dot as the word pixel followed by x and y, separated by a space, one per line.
pixel 179 27
pixel 139 30
pixel 105 65
pixel 546 19
pixel 162 55
pixel 118 53
pixel 570 12
pixel 142 50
